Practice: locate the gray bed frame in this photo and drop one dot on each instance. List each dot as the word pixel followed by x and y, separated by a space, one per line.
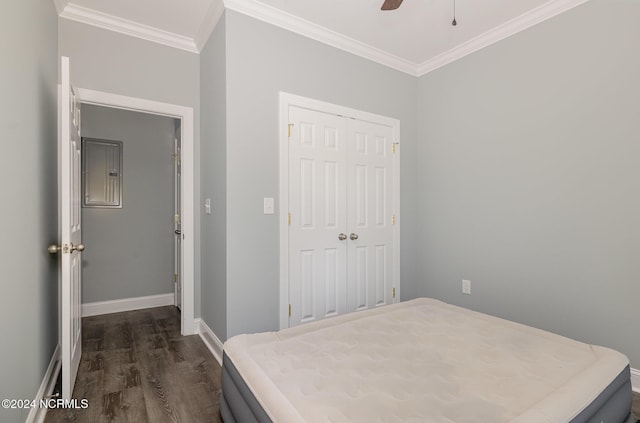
pixel 239 405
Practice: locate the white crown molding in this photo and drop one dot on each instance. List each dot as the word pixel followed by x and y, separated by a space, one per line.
pixel 127 27
pixel 210 21
pixel 60 5
pixel 285 20
pixel 319 33
pixel 507 29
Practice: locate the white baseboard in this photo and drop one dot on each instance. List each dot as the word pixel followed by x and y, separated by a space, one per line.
pixel 126 304
pixel 37 414
pixel 210 339
pixel 635 380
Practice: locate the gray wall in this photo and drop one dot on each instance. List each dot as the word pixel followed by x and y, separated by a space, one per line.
pixel 529 177
pixel 28 120
pixel 261 61
pixel 130 250
pixel 107 61
pixel 214 180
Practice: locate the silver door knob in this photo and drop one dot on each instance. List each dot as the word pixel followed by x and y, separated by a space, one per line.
pixel 342 237
pixel 353 237
pixel 79 247
pixel 53 249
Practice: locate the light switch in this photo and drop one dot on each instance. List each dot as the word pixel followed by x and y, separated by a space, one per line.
pixel 207 205
pixel 269 205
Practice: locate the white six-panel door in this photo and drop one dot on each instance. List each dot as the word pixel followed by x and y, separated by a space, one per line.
pixel 317 191
pixel 341 214
pixel 70 230
pixel 370 217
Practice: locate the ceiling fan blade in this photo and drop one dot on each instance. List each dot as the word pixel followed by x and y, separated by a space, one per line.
pixel 391 4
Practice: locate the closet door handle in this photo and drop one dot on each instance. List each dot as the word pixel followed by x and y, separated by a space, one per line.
pixel 342 237
pixel 353 237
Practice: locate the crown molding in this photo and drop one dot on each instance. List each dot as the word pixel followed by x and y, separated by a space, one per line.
pixel 127 27
pixel 60 5
pixel 209 23
pixel 509 28
pixel 319 33
pixel 287 21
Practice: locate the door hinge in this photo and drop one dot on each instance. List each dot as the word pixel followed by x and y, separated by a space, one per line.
pixel 175 278
pixel 289 310
pixel 393 292
pixel 289 219
pixel 393 219
pixel 393 148
pixel 289 130
pixel 176 218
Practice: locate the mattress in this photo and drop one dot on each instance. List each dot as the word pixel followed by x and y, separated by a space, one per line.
pixel 421 360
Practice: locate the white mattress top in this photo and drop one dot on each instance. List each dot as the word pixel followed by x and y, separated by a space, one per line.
pixel 421 360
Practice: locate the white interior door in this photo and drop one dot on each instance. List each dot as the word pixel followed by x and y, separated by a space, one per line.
pixel 318 215
pixel 341 201
pixel 370 214
pixel 177 227
pixel 70 230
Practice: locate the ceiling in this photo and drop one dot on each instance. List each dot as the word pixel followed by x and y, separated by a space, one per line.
pixel 416 38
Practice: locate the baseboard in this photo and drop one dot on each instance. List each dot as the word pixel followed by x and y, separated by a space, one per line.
pixel 37 414
pixel 635 380
pixel 126 304
pixel 210 339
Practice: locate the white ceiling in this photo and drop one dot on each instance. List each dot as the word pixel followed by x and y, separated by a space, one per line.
pixel 416 38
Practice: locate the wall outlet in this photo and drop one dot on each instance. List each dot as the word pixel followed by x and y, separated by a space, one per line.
pixel 466 287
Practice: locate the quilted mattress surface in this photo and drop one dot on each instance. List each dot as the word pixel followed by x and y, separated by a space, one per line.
pixel 421 358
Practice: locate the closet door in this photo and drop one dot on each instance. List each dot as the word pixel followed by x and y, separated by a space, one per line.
pixel 318 215
pixel 370 214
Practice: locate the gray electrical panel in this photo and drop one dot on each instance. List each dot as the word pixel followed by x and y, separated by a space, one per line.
pixel 101 173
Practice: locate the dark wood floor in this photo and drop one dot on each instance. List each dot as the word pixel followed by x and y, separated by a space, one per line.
pixel 136 367
pixel 636 406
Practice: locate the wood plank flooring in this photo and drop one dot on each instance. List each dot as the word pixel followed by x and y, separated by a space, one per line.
pixel 136 367
pixel 636 406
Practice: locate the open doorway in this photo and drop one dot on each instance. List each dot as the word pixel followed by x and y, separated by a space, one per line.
pixel 181 119
pixel 130 212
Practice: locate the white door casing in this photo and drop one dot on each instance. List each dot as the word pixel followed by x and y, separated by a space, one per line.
pixel 339 174
pixel 187 186
pixel 69 156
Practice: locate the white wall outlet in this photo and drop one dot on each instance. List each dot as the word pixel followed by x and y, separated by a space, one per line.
pixel 269 205
pixel 466 287
pixel 207 205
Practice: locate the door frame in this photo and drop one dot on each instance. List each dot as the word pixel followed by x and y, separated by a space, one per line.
pixel 287 100
pixel 185 115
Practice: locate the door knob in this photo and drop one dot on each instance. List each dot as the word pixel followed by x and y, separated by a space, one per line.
pixel 79 248
pixel 54 249
pixel 342 237
pixel 353 237
pixel 178 232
